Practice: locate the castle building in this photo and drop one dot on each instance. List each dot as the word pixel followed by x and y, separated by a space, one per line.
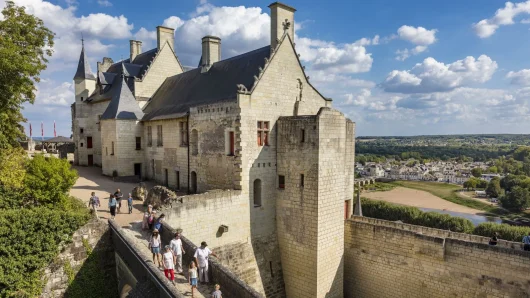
pixel 252 124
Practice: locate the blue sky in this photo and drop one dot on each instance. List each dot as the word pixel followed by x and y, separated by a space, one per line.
pixel 394 67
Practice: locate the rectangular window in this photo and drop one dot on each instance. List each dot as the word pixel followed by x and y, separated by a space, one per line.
pixel 159 141
pixel 231 148
pixel 149 136
pixel 99 123
pixel 178 179
pixel 112 149
pixel 183 134
pixel 281 181
pixel 301 180
pixel 81 130
pixel 107 151
pixel 263 133
pixel 302 135
pixel 89 142
pixel 138 143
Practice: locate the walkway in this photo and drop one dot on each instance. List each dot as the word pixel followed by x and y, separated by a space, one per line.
pixel 139 238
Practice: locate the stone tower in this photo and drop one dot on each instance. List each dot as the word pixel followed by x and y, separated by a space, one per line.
pixel 84 85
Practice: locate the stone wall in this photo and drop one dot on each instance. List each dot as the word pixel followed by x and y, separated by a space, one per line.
pixel 384 260
pixel 95 234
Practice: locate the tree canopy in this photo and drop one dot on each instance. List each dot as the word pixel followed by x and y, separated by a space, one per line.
pixel 25 45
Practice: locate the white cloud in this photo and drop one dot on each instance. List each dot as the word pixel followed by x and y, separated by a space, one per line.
pixel 418 36
pixel 359 99
pixel 521 77
pixel 173 22
pixel 104 26
pixel 50 93
pixel 104 3
pixel 433 76
pixel 503 16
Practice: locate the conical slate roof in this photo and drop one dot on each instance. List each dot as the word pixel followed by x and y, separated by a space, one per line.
pixel 83 67
pixel 123 104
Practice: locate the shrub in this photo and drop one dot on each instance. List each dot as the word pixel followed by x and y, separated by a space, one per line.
pixel 506 232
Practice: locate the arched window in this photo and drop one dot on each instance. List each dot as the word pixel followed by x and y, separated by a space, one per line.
pixel 193 188
pixel 194 142
pixel 257 193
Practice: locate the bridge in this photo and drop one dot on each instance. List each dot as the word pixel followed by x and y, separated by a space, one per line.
pixel 365 181
pixel 139 277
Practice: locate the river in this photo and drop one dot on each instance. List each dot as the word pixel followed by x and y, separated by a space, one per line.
pixel 474 218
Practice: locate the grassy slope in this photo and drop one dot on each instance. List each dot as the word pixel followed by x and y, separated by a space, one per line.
pixel 448 192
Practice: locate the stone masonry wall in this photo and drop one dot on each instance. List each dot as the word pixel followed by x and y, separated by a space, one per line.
pixel 96 234
pixel 382 260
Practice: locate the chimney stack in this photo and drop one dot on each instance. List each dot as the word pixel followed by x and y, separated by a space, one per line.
pixel 163 35
pixel 105 65
pixel 282 20
pixel 211 51
pixel 136 49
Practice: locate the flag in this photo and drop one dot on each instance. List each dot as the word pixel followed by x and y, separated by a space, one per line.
pixel 54 132
pixel 42 130
pixel 30 131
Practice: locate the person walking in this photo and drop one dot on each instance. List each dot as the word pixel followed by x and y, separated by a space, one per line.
pixel 192 278
pixel 154 246
pixel 112 206
pixel 526 242
pixel 151 220
pixel 158 223
pixel 130 203
pixel 119 196
pixel 178 251
pixel 94 204
pixel 217 293
pixel 169 266
pixel 147 214
pixel 201 257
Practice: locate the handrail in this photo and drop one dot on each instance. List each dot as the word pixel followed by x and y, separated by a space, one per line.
pixel 154 274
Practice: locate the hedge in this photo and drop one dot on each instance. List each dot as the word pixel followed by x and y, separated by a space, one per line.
pixel 413 215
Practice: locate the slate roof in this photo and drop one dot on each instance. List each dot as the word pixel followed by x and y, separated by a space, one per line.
pixel 106 78
pixel 122 105
pixel 83 67
pixel 143 61
pixel 192 88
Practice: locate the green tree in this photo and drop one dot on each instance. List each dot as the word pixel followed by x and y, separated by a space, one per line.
pixel 25 44
pixel 476 172
pixel 492 169
pixel 517 199
pixel 471 183
pixel 493 190
pixel 12 168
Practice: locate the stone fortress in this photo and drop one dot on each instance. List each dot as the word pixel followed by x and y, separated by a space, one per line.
pixel 267 165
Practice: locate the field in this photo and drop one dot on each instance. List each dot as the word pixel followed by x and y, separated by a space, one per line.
pixel 448 192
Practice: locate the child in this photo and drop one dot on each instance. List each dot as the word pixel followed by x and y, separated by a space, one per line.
pixel 192 277
pixel 169 266
pixel 151 220
pixel 147 214
pixel 158 224
pixel 112 206
pixel 130 203
pixel 217 293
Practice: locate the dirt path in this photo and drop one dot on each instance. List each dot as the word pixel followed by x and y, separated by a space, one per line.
pixel 418 198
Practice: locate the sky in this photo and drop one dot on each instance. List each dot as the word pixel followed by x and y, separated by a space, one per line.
pixel 394 67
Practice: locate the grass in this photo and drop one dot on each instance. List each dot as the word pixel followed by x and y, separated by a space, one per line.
pixel 379 186
pixel 448 192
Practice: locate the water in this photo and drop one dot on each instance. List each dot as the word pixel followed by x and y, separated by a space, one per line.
pixel 474 218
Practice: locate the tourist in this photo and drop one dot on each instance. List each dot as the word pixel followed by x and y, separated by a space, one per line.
pixel 201 258
pixel 151 220
pixel 158 223
pixel 154 246
pixel 178 251
pixel 169 266
pixel 118 196
pixel 147 213
pixel 94 203
pixel 217 293
pixel 526 242
pixel 192 278
pixel 112 206
pixel 130 203
pixel 493 240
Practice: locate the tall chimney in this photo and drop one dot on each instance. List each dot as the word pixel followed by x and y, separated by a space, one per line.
pixel 105 65
pixel 282 20
pixel 211 51
pixel 163 35
pixel 136 49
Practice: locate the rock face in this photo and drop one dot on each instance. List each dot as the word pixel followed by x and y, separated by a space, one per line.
pixel 159 196
pixel 139 192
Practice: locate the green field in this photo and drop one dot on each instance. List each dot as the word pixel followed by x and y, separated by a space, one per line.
pixel 449 192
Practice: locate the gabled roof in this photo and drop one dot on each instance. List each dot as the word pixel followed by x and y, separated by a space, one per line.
pixel 83 67
pixel 122 105
pixel 138 66
pixel 192 88
pixel 106 78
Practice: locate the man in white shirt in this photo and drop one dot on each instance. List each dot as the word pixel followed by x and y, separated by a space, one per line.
pixel 178 251
pixel 201 258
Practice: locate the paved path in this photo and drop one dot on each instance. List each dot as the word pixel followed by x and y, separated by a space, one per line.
pixel 91 180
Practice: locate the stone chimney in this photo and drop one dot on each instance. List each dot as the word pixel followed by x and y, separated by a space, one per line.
pixel 104 66
pixel 211 51
pixel 136 49
pixel 282 20
pixel 163 35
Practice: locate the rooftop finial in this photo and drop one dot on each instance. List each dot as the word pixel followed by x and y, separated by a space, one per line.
pixel 82 40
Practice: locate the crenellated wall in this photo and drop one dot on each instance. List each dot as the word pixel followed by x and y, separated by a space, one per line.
pixel 387 259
